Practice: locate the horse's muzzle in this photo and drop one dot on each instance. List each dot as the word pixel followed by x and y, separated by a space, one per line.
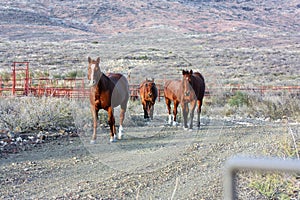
pixel 92 83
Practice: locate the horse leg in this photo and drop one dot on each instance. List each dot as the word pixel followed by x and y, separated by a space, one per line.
pixel 185 112
pixel 168 102
pixel 148 109
pixel 176 103
pixel 111 122
pixel 193 106
pixel 148 106
pixel 95 121
pixel 199 112
pixel 122 117
pixel 151 110
pixel 145 110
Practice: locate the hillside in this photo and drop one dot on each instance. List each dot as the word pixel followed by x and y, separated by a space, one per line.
pixel 22 19
pixel 243 41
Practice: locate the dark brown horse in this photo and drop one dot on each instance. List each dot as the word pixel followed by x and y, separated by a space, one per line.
pixel 148 94
pixel 107 92
pixel 187 92
pixel 193 92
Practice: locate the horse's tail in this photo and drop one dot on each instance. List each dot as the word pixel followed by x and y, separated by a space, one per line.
pixel 200 88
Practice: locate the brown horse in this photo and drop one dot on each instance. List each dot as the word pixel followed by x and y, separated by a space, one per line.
pixel 172 92
pixel 107 92
pixel 148 94
pixel 187 92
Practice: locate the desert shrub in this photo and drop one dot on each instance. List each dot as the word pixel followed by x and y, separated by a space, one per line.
pixel 140 57
pixel 238 99
pixel 20 75
pixel 218 100
pixel 29 113
pixel 46 113
pixel 81 114
pixel 279 185
pixel 275 185
pixel 214 104
pixel 5 76
pixel 254 105
pixel 41 74
pixel 74 74
pixel 228 104
pixel 275 106
pixel 288 148
pixel 58 76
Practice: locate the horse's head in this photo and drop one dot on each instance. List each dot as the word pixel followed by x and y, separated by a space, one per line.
pixel 149 88
pixel 186 83
pixel 94 72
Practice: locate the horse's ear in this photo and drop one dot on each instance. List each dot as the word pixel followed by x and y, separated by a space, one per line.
pixel 89 59
pixel 191 72
pixel 98 60
pixel 183 72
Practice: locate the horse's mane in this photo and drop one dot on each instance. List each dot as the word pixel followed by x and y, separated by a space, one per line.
pixel 199 74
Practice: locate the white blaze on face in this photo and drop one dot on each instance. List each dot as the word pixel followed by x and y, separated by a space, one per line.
pixel 92 81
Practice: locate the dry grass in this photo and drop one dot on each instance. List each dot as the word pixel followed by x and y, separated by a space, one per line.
pixel 29 113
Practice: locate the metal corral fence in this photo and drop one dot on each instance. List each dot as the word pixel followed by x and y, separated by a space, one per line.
pixel 76 87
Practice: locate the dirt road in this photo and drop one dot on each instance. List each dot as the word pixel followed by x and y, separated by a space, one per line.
pixel 154 161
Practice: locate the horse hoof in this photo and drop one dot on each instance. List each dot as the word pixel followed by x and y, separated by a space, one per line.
pixel 120 136
pixel 112 140
pixel 147 119
pixel 184 128
pixel 190 130
pixel 93 142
